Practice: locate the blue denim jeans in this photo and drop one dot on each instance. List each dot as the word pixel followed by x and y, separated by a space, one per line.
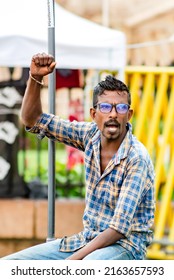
pixel 50 251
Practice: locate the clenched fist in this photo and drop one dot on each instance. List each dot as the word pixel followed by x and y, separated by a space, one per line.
pixel 42 64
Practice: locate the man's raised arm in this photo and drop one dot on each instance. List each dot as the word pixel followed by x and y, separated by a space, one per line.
pixel 41 65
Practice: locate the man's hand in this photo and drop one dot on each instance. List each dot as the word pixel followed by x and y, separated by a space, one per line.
pixel 106 238
pixel 42 64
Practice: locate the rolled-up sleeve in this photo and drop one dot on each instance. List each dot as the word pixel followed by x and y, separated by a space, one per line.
pixel 41 126
pixel 57 129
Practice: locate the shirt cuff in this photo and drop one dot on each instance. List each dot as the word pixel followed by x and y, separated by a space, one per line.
pixel 121 224
pixel 41 126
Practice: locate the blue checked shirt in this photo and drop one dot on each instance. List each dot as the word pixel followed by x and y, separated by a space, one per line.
pixel 122 198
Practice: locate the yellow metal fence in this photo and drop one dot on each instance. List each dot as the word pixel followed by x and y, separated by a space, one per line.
pixel 152 90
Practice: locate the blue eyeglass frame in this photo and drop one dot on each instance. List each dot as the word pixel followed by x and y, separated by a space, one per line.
pixel 116 106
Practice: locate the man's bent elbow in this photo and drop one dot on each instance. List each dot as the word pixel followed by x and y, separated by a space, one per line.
pixel 28 121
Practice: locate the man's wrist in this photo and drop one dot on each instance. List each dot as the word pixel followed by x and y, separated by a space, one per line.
pixel 38 80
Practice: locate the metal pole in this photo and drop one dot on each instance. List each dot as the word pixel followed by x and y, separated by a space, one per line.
pixel 51 144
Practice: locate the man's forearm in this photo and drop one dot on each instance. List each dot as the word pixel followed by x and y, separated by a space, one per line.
pixel 31 105
pixel 41 65
pixel 106 238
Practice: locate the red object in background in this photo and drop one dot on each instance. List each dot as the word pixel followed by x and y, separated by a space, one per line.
pixel 74 157
pixel 76 110
pixel 67 78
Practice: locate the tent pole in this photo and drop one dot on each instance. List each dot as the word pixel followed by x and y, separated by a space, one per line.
pixel 51 144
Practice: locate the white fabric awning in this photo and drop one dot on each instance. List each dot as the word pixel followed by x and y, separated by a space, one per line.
pixel 80 44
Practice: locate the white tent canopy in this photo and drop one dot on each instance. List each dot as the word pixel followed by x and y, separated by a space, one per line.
pixel 80 44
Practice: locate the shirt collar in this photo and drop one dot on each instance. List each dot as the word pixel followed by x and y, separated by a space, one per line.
pixel 125 145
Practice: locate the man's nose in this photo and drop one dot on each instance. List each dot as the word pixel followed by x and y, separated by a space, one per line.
pixel 113 112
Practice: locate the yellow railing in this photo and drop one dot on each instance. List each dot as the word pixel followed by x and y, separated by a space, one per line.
pixel 152 90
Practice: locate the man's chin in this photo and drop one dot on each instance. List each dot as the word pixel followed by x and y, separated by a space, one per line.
pixel 111 136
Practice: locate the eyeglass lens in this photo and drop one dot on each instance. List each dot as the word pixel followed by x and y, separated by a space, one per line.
pixel 107 108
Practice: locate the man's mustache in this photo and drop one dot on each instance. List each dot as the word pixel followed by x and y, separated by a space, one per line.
pixel 112 122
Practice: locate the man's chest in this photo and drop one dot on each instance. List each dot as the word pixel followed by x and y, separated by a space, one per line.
pixel 105 159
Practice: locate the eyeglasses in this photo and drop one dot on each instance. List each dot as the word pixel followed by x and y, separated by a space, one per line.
pixel 106 108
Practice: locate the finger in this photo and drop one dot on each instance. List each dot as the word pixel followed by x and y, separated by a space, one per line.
pixel 45 59
pixel 50 59
pixel 35 59
pixel 51 67
pixel 40 59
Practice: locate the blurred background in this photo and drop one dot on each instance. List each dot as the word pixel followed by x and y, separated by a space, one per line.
pixel 144 62
pixel 148 26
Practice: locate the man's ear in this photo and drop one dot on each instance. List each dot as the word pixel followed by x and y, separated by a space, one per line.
pixel 92 113
pixel 130 114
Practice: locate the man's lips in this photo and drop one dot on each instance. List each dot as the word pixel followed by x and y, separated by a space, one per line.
pixel 112 126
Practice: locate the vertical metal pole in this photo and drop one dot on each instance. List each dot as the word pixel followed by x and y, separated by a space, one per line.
pixel 51 144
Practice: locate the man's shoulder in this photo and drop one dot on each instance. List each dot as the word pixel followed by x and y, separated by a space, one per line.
pixel 138 150
pixel 91 129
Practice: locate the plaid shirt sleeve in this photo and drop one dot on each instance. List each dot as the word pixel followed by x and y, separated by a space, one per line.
pixel 57 129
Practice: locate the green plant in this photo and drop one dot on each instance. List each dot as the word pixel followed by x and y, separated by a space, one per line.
pixel 69 182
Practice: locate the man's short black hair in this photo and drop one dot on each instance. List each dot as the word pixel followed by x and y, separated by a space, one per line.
pixel 112 84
